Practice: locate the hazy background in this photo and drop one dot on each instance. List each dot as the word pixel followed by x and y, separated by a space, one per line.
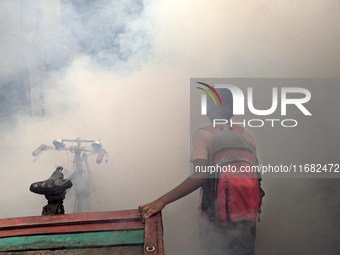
pixel 120 71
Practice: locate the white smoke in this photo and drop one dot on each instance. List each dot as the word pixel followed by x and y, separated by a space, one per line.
pixel 120 71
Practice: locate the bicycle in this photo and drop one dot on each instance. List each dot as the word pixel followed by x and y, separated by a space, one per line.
pixel 81 179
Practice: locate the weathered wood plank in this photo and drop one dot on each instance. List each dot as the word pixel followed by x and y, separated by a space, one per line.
pixel 64 219
pixel 153 241
pixel 118 250
pixel 82 240
pixel 160 234
pixel 86 229
pixel 129 225
pixel 150 240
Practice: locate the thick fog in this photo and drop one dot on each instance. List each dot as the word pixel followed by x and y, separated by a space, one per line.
pixel 120 71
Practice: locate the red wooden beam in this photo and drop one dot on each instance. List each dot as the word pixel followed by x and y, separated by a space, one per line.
pixel 69 219
pixel 128 226
pixel 160 234
pixel 153 240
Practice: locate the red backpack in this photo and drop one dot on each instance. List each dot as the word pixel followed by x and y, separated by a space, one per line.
pixel 234 193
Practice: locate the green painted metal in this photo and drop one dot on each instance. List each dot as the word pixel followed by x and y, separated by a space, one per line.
pixel 95 239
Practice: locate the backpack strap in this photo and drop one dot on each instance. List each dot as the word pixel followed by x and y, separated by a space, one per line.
pixel 238 129
pixel 211 129
pixel 215 129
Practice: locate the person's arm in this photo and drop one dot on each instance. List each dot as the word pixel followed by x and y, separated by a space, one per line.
pixel 190 184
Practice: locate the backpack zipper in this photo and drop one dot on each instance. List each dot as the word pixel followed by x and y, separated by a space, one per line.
pixel 227 201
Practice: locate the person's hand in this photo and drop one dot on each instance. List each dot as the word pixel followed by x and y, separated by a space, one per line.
pixel 146 211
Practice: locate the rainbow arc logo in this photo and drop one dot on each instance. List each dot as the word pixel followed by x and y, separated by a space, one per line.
pixel 204 97
pixel 208 92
